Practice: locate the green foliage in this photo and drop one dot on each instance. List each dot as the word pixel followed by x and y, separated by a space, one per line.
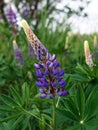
pixel 20 105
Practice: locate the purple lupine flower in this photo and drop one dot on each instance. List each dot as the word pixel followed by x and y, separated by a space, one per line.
pixel 18 55
pixel 50 76
pixel 12 18
pixel 25 9
pixel 48 83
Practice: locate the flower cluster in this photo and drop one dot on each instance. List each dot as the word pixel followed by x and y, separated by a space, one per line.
pixel 18 55
pixel 48 71
pixel 12 18
pixel 50 78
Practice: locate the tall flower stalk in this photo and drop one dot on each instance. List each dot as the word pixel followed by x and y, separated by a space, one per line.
pixel 18 55
pixel 50 76
pixel 12 19
pixel 95 42
pixel 66 42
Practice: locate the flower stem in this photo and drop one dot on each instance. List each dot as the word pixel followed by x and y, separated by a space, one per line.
pixel 54 114
pixel 57 102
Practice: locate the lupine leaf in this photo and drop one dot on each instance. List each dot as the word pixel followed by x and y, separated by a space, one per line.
pixel 91 125
pixel 67 114
pixel 8 100
pixel 18 120
pixel 5 108
pixel 10 118
pixel 25 122
pixel 81 101
pixel 25 93
pixel 16 96
pixel 92 105
pixel 76 127
pixel 71 106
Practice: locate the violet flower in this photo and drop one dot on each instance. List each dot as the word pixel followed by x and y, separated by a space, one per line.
pixel 50 76
pixel 12 18
pixel 25 10
pixel 18 55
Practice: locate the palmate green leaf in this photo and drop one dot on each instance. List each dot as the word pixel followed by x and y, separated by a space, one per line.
pixel 68 114
pixel 47 117
pixel 42 123
pixel 2 81
pixel 16 96
pixel 10 117
pixel 92 92
pixel 86 70
pixel 60 119
pixel 82 69
pixel 91 125
pixel 70 105
pixel 81 101
pixel 76 127
pixel 92 106
pixel 5 126
pixel 17 121
pixel 5 108
pixel 79 78
pixel 25 122
pixel 8 100
pixel 83 74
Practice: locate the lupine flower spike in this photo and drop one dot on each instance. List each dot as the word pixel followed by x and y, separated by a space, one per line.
pixel 18 55
pixel 66 43
pixel 12 18
pixel 50 76
pixel 25 10
pixel 40 51
pixel 95 41
pixel 88 56
pixel 95 53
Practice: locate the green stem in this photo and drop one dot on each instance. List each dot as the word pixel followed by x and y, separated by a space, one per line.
pixel 54 114
pixel 29 126
pixel 57 102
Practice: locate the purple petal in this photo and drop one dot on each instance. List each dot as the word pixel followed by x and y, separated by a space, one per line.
pixel 41 90
pixel 59 93
pixel 61 73
pixel 56 64
pixel 39 73
pixel 65 93
pixel 43 95
pixel 53 57
pixel 36 66
pixel 61 82
pixel 53 84
pixel 51 96
pixel 55 72
pixel 38 83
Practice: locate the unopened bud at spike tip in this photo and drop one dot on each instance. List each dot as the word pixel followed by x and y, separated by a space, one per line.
pixel 95 41
pixel 24 24
pixel 88 56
